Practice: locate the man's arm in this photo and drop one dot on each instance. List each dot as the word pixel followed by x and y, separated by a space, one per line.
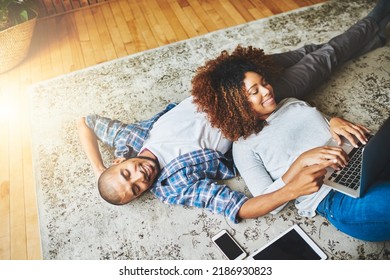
pixel 201 193
pixel 89 143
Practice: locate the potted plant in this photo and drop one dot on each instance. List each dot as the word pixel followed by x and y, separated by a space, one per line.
pixel 17 23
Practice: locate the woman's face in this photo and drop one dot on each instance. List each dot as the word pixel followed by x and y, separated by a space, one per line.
pixel 260 95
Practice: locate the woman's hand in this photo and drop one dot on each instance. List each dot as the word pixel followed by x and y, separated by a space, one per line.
pixel 324 153
pixel 336 157
pixel 309 180
pixel 340 127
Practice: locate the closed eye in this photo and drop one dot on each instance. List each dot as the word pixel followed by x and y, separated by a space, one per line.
pixel 125 174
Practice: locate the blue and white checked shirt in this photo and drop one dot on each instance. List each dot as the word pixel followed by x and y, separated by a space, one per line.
pixel 189 179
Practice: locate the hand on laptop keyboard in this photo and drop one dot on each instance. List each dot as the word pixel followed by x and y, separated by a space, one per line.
pixel 354 133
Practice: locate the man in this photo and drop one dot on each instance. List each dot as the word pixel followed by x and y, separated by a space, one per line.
pixel 179 156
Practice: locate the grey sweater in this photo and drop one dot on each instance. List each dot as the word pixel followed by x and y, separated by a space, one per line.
pixel 262 159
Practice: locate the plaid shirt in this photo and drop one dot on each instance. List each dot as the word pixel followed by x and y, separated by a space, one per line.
pixel 189 179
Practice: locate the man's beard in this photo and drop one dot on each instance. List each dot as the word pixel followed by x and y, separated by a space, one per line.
pixel 156 163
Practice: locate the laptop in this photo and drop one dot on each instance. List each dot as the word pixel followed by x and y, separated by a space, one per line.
pixel 365 165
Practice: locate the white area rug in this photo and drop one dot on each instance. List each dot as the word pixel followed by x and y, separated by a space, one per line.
pixel 77 224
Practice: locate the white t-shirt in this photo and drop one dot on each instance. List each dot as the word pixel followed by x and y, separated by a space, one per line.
pixel 182 130
pixel 262 159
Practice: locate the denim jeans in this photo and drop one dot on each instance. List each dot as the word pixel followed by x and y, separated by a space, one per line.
pixel 366 218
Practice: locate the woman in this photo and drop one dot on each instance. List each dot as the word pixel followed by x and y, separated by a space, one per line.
pixel 292 140
pixel 279 146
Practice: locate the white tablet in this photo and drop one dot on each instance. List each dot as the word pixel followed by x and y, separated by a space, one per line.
pixel 293 244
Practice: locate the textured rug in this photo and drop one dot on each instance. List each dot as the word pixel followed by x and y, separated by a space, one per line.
pixel 77 224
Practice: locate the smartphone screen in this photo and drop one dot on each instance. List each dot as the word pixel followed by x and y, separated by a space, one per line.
pixel 228 246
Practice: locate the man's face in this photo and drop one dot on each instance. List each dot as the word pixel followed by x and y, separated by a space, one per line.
pixel 133 177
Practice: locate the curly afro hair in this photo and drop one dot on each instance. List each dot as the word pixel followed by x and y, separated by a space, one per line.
pixel 218 90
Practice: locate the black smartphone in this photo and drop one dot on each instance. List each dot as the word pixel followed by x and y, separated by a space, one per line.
pixel 228 246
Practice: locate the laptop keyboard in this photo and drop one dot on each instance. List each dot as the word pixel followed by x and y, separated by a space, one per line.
pixel 349 176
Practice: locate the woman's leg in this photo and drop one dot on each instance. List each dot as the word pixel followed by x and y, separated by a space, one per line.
pixel 366 218
pixel 316 66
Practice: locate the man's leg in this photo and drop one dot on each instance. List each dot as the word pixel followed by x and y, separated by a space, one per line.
pixel 357 40
pixel 315 67
pixel 381 14
pixel 290 58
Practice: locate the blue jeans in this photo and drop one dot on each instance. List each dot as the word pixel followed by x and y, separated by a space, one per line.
pixel 366 218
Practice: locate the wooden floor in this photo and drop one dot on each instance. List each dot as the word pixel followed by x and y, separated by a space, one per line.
pixel 81 38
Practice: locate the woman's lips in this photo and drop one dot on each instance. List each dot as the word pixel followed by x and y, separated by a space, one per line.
pixel 269 101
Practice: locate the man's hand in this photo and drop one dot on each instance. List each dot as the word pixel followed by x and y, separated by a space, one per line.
pixel 98 172
pixel 89 143
pixel 340 127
